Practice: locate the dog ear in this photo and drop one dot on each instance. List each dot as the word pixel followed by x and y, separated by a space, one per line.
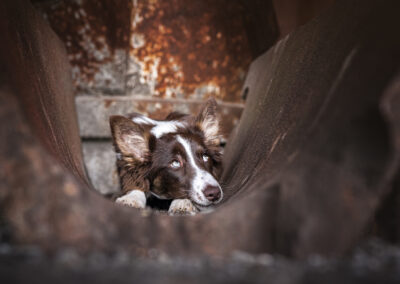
pixel 208 122
pixel 129 137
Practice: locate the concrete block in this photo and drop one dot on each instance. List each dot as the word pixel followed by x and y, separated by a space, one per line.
pixel 94 111
pixel 100 160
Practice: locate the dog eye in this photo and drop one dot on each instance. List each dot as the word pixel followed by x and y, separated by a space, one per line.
pixel 175 164
pixel 205 158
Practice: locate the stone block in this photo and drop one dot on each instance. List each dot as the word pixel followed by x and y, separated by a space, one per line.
pixel 94 111
pixel 100 160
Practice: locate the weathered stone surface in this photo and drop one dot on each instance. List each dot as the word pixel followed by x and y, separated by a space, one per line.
pixel 100 161
pixel 94 111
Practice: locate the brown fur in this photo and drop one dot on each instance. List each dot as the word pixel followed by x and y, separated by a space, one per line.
pixel 143 162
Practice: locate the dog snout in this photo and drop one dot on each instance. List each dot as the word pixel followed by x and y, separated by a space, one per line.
pixel 212 193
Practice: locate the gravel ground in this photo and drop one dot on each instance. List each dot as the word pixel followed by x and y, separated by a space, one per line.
pixel 373 262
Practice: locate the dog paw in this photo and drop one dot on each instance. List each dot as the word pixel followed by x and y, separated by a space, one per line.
pixel 134 198
pixel 182 207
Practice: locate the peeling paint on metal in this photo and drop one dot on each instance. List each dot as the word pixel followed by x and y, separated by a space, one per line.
pixel 96 36
pixel 190 49
pixel 167 49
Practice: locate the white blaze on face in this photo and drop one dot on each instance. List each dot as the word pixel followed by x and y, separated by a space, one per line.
pixel 201 178
pixel 160 128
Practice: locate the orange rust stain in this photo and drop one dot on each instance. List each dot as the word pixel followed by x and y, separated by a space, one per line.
pixel 108 103
pixel 196 43
pixel 88 28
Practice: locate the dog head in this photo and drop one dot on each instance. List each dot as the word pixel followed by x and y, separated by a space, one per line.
pixel 176 158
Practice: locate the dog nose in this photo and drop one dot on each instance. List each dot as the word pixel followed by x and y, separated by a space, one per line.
pixel 212 193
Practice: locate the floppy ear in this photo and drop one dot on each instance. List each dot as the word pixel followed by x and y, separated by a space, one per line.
pixel 208 122
pixel 129 137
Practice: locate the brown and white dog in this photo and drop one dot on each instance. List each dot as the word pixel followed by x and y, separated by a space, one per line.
pixel 178 158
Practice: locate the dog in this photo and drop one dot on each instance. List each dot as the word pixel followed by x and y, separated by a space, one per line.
pixel 176 159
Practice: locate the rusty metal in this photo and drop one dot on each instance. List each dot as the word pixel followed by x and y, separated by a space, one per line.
pixel 52 120
pixel 171 49
pixel 96 35
pixel 313 156
pixel 177 49
pixel 291 14
pixel 319 139
pixel 191 49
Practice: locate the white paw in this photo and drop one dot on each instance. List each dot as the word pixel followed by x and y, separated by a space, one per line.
pixel 134 198
pixel 182 207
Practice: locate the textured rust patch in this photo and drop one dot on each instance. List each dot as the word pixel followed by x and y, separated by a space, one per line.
pixel 91 30
pixel 191 48
pixel 178 49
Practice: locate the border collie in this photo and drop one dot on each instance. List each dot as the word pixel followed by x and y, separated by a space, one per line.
pixel 177 159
